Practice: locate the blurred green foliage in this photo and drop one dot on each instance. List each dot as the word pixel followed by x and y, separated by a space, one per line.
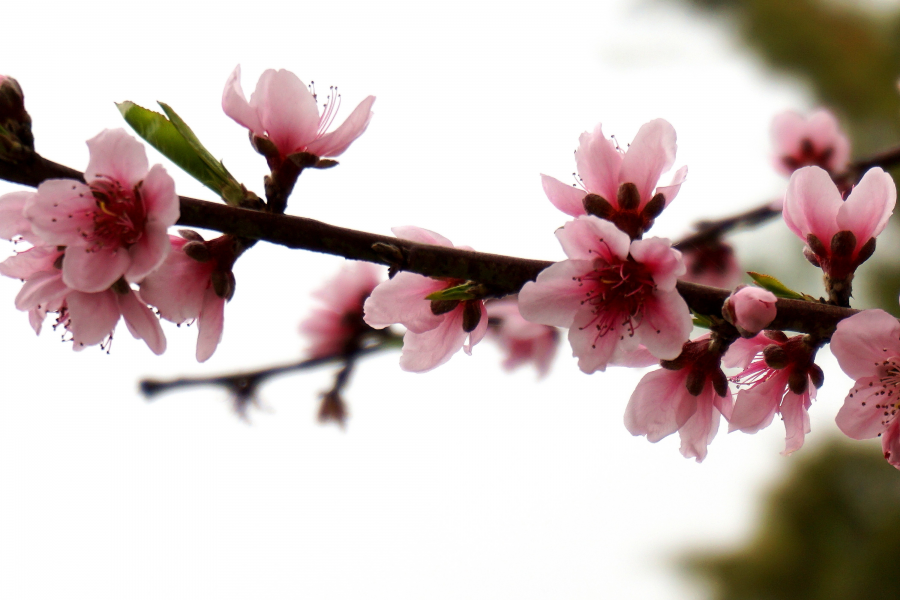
pixel 848 53
pixel 829 531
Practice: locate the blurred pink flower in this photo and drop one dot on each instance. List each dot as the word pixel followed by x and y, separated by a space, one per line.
pixel 522 340
pixel 750 309
pixel 284 111
pixel 867 347
pixel 194 283
pixel 814 141
pixel 339 321
pixel 688 395
pixel 840 235
pixel 613 294
pixel 619 185
pixel 712 264
pixel 436 329
pixel 113 227
pixel 782 379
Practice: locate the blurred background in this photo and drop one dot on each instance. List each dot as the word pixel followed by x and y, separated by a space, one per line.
pixel 467 481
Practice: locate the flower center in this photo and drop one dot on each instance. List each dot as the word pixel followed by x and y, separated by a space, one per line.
pixel 119 218
pixel 616 293
pixel 886 399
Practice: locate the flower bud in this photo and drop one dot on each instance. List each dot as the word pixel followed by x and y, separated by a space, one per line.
pixel 750 309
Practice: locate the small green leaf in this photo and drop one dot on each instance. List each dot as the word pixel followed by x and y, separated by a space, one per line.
pixel 776 287
pixel 457 292
pixel 701 320
pixel 177 142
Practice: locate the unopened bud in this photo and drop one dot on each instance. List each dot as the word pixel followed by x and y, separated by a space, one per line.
pixel 750 309
pixel 843 243
pixel 471 315
pixel 197 250
pixel 629 197
pixel 223 284
pixel 598 206
pixel 442 307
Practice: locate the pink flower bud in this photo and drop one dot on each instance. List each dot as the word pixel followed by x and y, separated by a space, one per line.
pixel 750 309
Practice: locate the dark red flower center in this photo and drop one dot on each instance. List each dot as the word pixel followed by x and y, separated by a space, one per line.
pixel 119 218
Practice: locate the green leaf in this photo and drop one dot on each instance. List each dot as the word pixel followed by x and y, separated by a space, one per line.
pixel 776 287
pixel 177 142
pixel 457 292
pixel 701 320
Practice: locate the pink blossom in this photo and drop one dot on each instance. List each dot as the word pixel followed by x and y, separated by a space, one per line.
pixel 814 141
pixel 782 379
pixel 522 340
pixel 339 321
pixel 712 264
pixel 13 223
pixel 436 329
pixel 194 283
pixel 113 227
pixel 91 318
pixel 840 235
pixel 867 347
pixel 284 111
pixel 750 309
pixel 619 185
pixel 688 395
pixel 613 294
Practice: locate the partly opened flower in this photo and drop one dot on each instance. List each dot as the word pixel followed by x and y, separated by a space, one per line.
pixel 523 341
pixel 338 322
pixel 194 283
pixel 840 235
pixel 778 377
pixel 436 329
pixel 621 186
pixel 688 395
pixel 613 294
pixel 284 111
pixel 867 347
pixel 115 225
pixel 814 141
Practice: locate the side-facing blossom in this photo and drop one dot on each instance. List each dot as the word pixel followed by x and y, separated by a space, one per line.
pixel 750 309
pixel 621 186
pixel 284 111
pixel 814 141
pixel 688 395
pixel 840 235
pixel 194 283
pixel 435 329
pixel 780 378
pixel 113 226
pixel 91 318
pixel 339 319
pixel 867 347
pixel 612 293
pixel 521 340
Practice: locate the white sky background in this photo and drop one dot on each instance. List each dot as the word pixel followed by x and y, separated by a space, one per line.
pixel 465 482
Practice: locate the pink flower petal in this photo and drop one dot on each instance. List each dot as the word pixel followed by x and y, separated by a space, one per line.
pixel 160 200
pixel 425 351
pixel 741 353
pixel 864 340
pixel 824 131
pixel 890 444
pixel 178 287
pixel 92 317
pixel 93 272
pixel 567 198
pixel 754 308
pixel 117 156
pixel 595 351
pixel 421 236
pixel 41 290
pixel 589 238
pixel 811 204
pixel 60 210
pixel 654 404
pixel 337 141
pixel 13 222
pixel 141 322
pixel 650 155
pixel 598 161
pixel 869 206
pixel 210 325
pixel 235 104
pixel 556 296
pixel 402 300
pixel 671 190
pixel 148 253
pixel 698 432
pixel 755 407
pixel 286 109
pixel 666 324
pixel 664 262
pixel 862 415
pixel 794 411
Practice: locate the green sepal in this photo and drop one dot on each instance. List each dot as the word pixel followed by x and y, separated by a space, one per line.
pixel 776 287
pixel 177 142
pixel 457 292
pixel 701 320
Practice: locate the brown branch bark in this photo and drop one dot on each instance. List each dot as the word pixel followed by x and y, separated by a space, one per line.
pixel 502 274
